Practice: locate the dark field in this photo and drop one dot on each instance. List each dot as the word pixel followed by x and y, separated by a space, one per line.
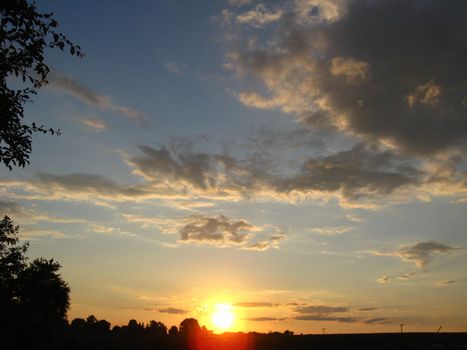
pixel 253 341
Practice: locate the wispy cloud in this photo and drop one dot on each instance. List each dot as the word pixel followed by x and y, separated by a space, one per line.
pixel 263 319
pixel 344 319
pixel 67 84
pixel 320 309
pixel 331 230
pixel 94 124
pixel 254 304
pixel 383 279
pixel 174 67
pixel 173 311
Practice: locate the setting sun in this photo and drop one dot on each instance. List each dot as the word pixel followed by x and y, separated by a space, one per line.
pixel 223 317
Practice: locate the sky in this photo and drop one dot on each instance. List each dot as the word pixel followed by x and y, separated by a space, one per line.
pixel 302 161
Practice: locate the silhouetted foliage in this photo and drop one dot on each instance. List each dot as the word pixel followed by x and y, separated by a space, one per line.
pixel 173 331
pixel 156 328
pixel 24 35
pixel 34 299
pixel 189 326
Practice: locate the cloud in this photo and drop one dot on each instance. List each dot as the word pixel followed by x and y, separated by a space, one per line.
pixel 359 172
pixel 379 320
pixel 422 253
pixel 259 16
pixel 220 231
pixel 75 187
pixel 445 283
pixel 273 241
pixel 368 309
pixel 248 304
pixel 406 276
pixel 428 94
pixel 32 233
pixel 331 231
pixel 173 311
pixel 109 230
pixel 30 216
pixel 320 309
pixel 348 67
pixel 344 65
pixel 383 279
pixel 91 98
pixel 174 67
pixel 347 319
pixel 263 319
pixel 94 124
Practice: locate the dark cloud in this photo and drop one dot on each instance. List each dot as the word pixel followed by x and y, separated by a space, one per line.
pixel 368 309
pixel 200 170
pixel 173 311
pixel 386 71
pixel 360 171
pixel 325 318
pixel 422 253
pixel 379 320
pixel 255 304
pixel 263 319
pixel 216 230
pixel 320 309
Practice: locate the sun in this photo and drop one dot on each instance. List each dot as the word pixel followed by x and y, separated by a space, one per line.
pixel 223 317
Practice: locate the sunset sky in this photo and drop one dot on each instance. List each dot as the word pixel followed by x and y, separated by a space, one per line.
pixel 302 162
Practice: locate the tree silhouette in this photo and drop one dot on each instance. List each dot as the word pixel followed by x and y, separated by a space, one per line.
pixel 33 297
pixel 156 328
pixel 173 331
pixel 24 35
pixel 189 326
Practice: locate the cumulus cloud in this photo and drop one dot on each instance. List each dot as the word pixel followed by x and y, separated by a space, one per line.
pixel 219 230
pixel 349 68
pixel 173 311
pixel 90 97
pixel 346 65
pixel 259 16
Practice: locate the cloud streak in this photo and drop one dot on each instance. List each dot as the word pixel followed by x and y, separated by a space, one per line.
pixel 70 86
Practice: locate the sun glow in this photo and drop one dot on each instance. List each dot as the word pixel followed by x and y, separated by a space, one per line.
pixel 223 317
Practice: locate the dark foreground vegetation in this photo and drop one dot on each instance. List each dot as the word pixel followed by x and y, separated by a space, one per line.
pixel 145 338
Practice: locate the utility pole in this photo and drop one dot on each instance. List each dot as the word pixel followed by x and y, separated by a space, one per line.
pixel 324 331
pixel 402 328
